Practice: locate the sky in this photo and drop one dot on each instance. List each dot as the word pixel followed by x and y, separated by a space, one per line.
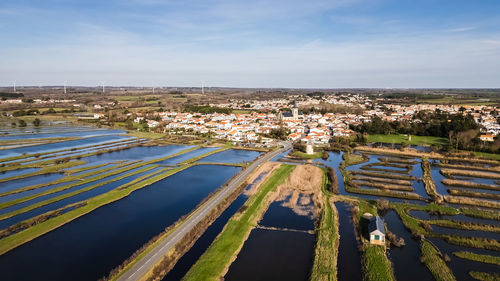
pixel 251 43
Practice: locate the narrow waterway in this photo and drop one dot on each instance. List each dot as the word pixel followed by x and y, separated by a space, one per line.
pixel 349 259
pixel 406 260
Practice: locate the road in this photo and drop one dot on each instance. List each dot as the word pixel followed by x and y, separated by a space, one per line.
pixel 153 257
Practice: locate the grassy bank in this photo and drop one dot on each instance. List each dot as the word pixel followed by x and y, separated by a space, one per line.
pixel 485 276
pixel 327 239
pixel 430 186
pixel 31 233
pixel 302 155
pixel 434 261
pixel 376 265
pixel 211 265
pixel 93 203
pixel 478 257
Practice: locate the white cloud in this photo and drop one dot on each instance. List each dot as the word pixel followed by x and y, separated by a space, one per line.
pixel 386 62
pixel 461 29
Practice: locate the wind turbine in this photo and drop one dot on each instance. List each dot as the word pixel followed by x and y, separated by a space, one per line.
pixel 65 87
pixel 14 86
pixel 202 88
pixel 102 87
pixel 153 86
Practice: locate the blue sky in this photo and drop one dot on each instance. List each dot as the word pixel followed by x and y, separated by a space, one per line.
pixel 241 43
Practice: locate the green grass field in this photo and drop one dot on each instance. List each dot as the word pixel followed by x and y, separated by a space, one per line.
pixel 212 263
pixel 303 155
pixel 487 155
pixel 415 140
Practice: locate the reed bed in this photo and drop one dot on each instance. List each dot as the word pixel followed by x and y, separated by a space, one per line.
pixel 469 173
pixel 470 184
pixel 384 180
pixel 472 202
pixel 369 168
pixel 467 193
pixel 358 183
pixel 384 175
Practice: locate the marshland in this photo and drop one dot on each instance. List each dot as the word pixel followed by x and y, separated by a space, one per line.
pixel 300 220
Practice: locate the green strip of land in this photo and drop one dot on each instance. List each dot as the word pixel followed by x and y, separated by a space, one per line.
pixel 435 262
pixel 478 257
pixel 415 140
pixel 327 239
pixel 213 262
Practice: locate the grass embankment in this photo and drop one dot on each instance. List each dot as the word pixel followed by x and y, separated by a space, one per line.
pixel 83 169
pixel 352 159
pixel 472 202
pixel 43 154
pixel 15 240
pixel 384 175
pixel 480 213
pixel 467 193
pixel 415 140
pixel 376 265
pixel 302 155
pixel 370 168
pixel 212 264
pixel 382 186
pixel 46 170
pixel 449 173
pixel 467 167
pixel 493 156
pixel 430 186
pixel 72 153
pixel 397 160
pixel 350 186
pixel 71 194
pixel 169 259
pixel 98 175
pixel 418 227
pixel 81 178
pixel 485 276
pixel 118 193
pixel 382 180
pixel 478 257
pixel 51 214
pixel 9 144
pixel 327 237
pixel 470 184
pixel 434 261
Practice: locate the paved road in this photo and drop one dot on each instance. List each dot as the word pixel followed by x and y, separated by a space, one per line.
pixel 153 257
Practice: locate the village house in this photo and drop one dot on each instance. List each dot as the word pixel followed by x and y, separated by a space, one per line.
pixel 487 137
pixel 376 229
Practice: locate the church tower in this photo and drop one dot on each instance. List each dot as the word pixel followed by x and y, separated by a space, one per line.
pixel 295 111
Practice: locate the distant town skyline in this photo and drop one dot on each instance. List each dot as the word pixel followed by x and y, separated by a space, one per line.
pixel 252 44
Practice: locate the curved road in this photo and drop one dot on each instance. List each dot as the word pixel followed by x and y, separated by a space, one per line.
pixel 152 258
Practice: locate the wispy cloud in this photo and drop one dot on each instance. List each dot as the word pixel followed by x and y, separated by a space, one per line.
pixel 461 29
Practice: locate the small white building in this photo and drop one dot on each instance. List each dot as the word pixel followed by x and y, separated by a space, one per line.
pixel 376 229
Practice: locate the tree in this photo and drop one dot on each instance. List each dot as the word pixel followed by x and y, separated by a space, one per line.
pixel 36 122
pixel 22 123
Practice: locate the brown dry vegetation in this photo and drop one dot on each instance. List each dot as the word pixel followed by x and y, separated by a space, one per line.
pixel 267 168
pixel 469 173
pixel 468 167
pixel 382 185
pixel 472 202
pixel 470 184
pixel 467 193
pixel 385 180
pixel 383 175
